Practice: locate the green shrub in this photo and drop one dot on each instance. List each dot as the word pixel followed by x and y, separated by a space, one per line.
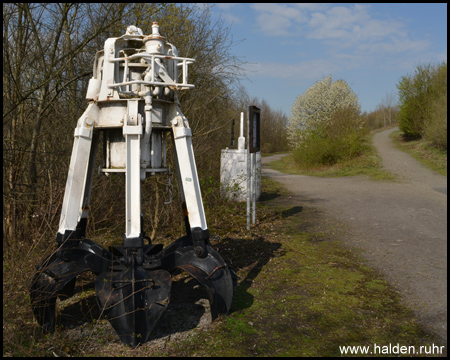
pixel 417 93
pixel 436 127
pixel 313 109
pixel 338 140
pixel 315 150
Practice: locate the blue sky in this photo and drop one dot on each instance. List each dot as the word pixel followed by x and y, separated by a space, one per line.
pixel 288 47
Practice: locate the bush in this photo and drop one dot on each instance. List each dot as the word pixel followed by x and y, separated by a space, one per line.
pixel 338 140
pixel 436 127
pixel 417 93
pixel 313 109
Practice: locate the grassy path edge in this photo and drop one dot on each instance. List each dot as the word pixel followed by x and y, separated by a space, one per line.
pixel 305 295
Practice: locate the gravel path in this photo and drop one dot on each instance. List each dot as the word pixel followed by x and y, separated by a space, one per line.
pixel 400 226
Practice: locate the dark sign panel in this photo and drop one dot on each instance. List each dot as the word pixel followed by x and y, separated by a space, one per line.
pixel 254 116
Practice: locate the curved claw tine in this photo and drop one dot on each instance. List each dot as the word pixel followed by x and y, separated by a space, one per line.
pixel 133 301
pixel 43 300
pixel 219 287
pixel 213 273
pixel 57 274
pixel 53 279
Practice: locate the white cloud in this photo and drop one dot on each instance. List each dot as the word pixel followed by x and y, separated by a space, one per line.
pixel 380 28
pixel 326 39
pixel 336 22
pixel 396 45
pixel 337 27
pixel 311 6
pixel 351 23
pixel 232 19
pixel 277 19
pixel 228 11
pixel 279 10
pixel 306 70
pixel 226 6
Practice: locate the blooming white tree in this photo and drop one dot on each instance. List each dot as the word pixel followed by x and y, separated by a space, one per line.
pixel 316 105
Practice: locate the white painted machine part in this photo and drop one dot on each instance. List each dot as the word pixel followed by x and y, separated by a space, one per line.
pixel 134 103
pixel 241 139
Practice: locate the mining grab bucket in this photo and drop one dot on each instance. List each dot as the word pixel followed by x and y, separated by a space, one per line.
pixel 133 104
pixel 133 288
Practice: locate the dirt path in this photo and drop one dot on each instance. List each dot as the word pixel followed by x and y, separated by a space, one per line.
pixel 400 227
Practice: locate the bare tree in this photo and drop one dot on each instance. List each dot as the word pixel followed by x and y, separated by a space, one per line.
pixel 48 51
pixel 42 44
pixel 389 108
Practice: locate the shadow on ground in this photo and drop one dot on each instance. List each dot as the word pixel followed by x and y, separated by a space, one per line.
pixel 292 211
pixel 247 257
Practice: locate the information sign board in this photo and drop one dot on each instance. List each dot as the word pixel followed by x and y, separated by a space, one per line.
pixel 254 116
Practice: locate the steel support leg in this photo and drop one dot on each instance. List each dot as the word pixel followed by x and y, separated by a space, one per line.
pixel 189 183
pixel 132 131
pixel 79 180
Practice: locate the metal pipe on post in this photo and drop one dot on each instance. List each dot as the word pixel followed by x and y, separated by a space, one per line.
pixel 248 170
pixel 254 187
pixel 253 146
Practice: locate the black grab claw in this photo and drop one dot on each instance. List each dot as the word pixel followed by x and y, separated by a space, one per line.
pixel 133 301
pixel 133 284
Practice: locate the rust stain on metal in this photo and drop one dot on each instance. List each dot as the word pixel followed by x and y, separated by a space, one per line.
pixel 217 268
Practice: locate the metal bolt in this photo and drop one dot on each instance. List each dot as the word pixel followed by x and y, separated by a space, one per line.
pixel 200 252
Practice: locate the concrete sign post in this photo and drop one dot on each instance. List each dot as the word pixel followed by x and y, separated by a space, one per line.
pixel 233 170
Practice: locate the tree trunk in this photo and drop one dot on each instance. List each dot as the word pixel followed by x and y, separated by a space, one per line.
pixel 35 136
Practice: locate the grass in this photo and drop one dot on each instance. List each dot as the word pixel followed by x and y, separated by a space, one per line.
pixel 367 164
pixel 305 295
pixel 274 153
pixel 300 293
pixel 421 150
